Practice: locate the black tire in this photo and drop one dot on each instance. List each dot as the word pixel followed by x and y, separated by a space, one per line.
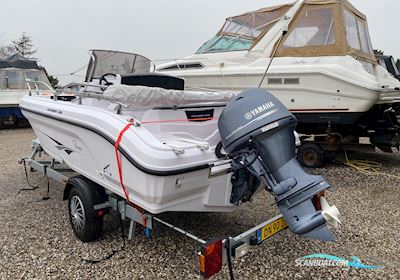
pixel 83 196
pixel 329 158
pixel 219 151
pixel 310 155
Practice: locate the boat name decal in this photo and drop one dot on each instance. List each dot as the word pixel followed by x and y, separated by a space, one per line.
pixel 54 110
pixel 259 110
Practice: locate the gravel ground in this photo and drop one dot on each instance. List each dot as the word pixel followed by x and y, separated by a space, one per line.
pixel 36 240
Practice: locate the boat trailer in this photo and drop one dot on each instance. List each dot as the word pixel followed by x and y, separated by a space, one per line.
pixel 213 254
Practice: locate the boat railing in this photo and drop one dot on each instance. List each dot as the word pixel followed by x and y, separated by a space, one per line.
pixel 36 83
pixel 86 90
pixel 182 60
pixel 82 86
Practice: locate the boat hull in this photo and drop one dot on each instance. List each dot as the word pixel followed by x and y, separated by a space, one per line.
pixel 10 113
pixel 318 90
pixel 87 147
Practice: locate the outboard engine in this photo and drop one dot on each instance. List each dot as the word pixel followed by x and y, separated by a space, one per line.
pixel 257 132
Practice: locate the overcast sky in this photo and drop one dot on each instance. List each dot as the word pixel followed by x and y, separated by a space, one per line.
pixel 64 30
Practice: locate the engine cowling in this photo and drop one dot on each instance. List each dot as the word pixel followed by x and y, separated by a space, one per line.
pixel 257 131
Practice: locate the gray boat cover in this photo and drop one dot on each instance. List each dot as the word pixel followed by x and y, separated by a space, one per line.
pixel 18 61
pixel 158 97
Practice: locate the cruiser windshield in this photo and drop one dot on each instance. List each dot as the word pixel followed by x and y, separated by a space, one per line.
pixel 226 43
pixel 241 32
pixel 15 79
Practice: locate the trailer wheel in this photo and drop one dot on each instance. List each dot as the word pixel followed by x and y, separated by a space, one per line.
pixel 310 155
pixel 83 196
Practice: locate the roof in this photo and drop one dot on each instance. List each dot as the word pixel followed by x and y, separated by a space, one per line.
pixel 263 10
pixel 18 61
pixel 341 44
pixel 345 3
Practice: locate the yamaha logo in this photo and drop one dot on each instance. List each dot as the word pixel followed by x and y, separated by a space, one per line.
pixel 248 116
pixel 259 110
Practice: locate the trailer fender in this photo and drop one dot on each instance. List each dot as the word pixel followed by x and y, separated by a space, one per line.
pixel 96 188
pixel 67 190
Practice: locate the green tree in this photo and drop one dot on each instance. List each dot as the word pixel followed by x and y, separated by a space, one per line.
pixel 23 46
pixel 3 48
pixel 3 52
pixel 53 80
pixel 398 64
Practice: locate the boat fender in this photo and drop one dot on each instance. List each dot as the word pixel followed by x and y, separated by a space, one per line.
pixel 219 151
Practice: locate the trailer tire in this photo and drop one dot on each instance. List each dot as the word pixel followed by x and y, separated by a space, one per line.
pixel 83 196
pixel 310 155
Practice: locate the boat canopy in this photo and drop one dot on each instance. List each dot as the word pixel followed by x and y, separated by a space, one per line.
pixel 242 32
pixel 18 61
pixel 16 69
pixel 151 97
pixel 328 28
pixel 115 62
pixel 319 28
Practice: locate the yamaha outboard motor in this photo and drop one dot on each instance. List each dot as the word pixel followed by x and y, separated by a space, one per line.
pixel 257 132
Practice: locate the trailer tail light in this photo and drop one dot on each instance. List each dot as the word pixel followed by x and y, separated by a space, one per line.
pixel 100 213
pixel 211 258
pixel 317 200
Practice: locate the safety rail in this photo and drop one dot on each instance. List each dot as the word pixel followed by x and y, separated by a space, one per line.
pixel 29 82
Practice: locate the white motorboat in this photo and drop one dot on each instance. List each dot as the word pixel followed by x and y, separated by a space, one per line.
pixel 159 147
pixel 18 77
pixel 315 56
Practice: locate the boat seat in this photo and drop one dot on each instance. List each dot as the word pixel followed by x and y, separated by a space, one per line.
pixel 153 80
pixel 152 97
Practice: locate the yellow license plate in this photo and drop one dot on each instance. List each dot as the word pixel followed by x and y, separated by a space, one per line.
pixel 271 229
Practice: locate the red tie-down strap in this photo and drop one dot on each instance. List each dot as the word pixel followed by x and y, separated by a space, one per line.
pixel 121 180
pixel 121 134
pixel 119 162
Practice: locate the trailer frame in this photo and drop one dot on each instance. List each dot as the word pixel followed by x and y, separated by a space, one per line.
pixel 229 247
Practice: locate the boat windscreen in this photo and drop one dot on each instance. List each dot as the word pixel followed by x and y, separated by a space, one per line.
pixel 328 28
pixel 105 62
pixel 393 63
pixel 313 28
pixel 357 33
pixel 15 79
pixel 241 32
pixel 225 43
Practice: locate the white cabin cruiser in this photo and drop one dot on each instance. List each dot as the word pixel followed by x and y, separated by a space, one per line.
pixel 315 56
pixel 18 77
pixel 160 148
